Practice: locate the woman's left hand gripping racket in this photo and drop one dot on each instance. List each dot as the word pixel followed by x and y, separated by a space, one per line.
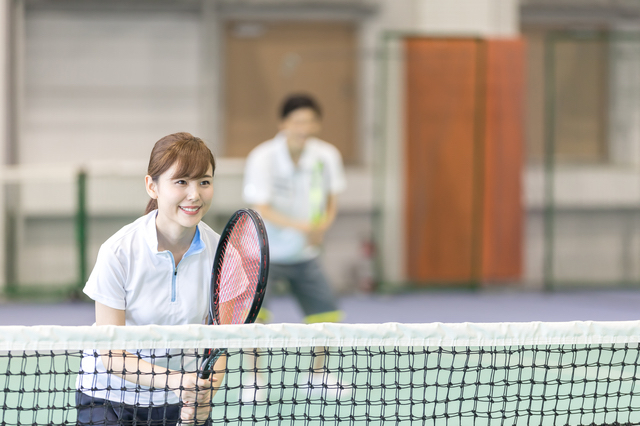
pixel 239 277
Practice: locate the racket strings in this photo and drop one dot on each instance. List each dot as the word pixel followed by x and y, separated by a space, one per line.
pixel 240 272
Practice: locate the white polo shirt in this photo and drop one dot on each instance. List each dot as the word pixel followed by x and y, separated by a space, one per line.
pixel 131 274
pixel 298 191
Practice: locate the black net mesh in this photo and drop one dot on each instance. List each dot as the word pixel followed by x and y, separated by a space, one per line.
pixel 514 385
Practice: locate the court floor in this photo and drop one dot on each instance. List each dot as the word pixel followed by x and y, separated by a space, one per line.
pixel 414 307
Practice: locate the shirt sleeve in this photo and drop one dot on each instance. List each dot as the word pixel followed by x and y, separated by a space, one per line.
pixel 257 177
pixel 337 180
pixel 106 282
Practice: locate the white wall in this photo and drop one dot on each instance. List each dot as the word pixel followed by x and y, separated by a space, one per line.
pixel 484 18
pixel 106 84
pixel 95 84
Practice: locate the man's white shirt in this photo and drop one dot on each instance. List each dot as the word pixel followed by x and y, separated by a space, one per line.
pixel 297 190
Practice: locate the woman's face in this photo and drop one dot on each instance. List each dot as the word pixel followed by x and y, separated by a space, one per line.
pixel 181 201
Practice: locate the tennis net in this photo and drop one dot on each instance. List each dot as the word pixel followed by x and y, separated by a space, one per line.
pixel 575 373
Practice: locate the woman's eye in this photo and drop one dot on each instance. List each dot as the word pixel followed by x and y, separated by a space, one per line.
pixel 181 182
pixel 205 183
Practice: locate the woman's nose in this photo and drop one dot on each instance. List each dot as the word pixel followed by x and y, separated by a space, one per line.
pixel 193 193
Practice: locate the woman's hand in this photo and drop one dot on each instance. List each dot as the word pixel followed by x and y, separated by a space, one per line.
pixel 195 394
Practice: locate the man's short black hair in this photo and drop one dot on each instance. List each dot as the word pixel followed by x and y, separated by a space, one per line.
pixel 297 101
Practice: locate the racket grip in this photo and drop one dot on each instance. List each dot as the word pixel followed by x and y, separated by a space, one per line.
pixel 207 364
pixel 203 374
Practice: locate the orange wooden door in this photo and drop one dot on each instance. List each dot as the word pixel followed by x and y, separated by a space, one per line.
pixel 441 132
pixel 464 160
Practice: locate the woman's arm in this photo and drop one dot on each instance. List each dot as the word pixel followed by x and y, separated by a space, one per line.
pixel 127 365
pixel 133 369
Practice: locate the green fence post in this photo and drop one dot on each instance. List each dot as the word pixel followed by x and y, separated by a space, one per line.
pixel 81 230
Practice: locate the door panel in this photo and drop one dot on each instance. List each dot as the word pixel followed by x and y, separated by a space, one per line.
pixel 441 96
pixel 464 160
pixel 267 61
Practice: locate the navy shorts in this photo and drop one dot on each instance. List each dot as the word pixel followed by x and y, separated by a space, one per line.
pixel 308 283
pixel 96 411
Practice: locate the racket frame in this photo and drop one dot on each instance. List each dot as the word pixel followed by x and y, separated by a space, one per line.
pixel 212 355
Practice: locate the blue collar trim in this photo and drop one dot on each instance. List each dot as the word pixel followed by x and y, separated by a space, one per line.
pixel 197 245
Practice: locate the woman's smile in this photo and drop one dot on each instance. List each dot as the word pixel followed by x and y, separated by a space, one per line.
pixel 190 210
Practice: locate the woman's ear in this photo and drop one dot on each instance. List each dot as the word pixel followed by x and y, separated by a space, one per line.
pixel 151 186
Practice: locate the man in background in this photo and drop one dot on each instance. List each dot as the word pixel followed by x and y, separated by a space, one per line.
pixel 293 181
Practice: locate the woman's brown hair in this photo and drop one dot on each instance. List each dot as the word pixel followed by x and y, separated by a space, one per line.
pixel 190 153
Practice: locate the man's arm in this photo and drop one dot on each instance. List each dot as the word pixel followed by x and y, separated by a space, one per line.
pixel 330 214
pixel 280 219
pixel 316 235
pixel 315 232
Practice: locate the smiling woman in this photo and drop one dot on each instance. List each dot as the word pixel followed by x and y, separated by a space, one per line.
pixel 179 182
pixel 186 154
pixel 155 270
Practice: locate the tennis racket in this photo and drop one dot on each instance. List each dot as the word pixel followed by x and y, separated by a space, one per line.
pixel 238 278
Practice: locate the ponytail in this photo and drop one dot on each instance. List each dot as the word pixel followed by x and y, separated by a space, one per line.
pixel 151 206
